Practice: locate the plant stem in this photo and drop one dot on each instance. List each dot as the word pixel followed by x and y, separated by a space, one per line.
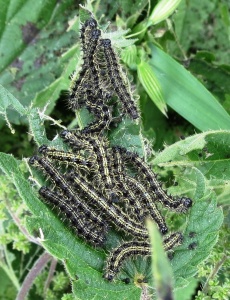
pixel 214 272
pixel 5 264
pixel 33 273
pixel 18 223
pixel 50 275
pixel 10 273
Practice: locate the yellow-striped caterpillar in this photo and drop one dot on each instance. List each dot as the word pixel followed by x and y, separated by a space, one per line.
pixel 150 179
pixel 67 191
pixel 98 148
pixel 92 184
pixel 114 214
pixel 133 203
pixel 78 161
pixel 79 88
pixel 116 77
pixel 148 203
pixel 127 184
pixel 89 88
pixel 80 223
pixel 138 247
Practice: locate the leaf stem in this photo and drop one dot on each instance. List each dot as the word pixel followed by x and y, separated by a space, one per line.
pixel 50 275
pixel 5 264
pixel 214 272
pixel 18 223
pixel 33 273
pixel 9 271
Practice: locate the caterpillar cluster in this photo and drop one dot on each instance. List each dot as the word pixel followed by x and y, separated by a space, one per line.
pixel 100 79
pixel 91 185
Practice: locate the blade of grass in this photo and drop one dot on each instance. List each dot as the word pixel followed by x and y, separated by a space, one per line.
pixel 151 85
pixel 186 95
pixel 161 269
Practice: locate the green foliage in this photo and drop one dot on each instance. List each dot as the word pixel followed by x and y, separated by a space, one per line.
pixel 60 283
pixel 38 54
pixel 161 269
pixel 206 24
pixel 41 55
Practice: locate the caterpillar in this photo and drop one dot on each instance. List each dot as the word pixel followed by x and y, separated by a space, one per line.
pixel 102 114
pixel 151 207
pixel 97 189
pixel 180 205
pixel 132 202
pixel 79 88
pixel 112 211
pixel 98 146
pixel 66 189
pixel 77 161
pixel 117 79
pixel 139 247
pixel 84 227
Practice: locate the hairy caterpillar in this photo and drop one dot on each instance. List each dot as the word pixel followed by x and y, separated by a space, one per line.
pixel 139 247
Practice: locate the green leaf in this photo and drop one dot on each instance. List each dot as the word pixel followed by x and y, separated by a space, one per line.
pixel 163 10
pixel 161 269
pixel 186 95
pixel 208 151
pixel 186 292
pixel 190 30
pixel 84 263
pixel 204 218
pixel 52 92
pixel 36 119
pixel 214 77
pixel 151 85
pixel 80 259
pixel 129 57
pixel 87 263
pixel 128 135
pixel 33 49
pixel 7 102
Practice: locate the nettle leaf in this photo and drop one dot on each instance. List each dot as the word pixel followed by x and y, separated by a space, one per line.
pixel 200 235
pixel 7 103
pixel 34 61
pixel 36 119
pixel 207 151
pixel 204 218
pixel 82 261
pixel 128 135
pixel 85 263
